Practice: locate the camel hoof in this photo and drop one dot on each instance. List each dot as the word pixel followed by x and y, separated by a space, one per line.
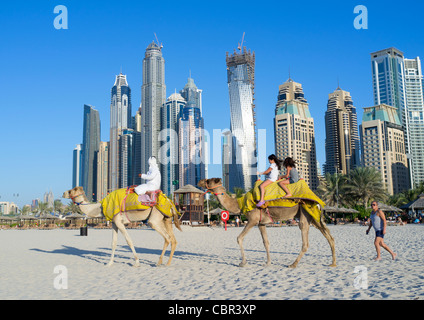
pixel 333 265
pixel 109 264
pixel 292 266
pixel 136 264
pixel 242 264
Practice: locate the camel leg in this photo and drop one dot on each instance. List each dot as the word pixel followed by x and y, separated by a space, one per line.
pixel 170 231
pixel 262 229
pixel 304 228
pixel 253 220
pixel 326 233
pixel 157 223
pixel 121 228
pixel 114 242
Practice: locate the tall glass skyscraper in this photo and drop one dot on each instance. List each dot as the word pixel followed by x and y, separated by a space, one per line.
pixel 342 137
pixel 415 108
pixel 191 137
pixel 153 96
pixel 120 120
pixel 398 82
pixel 77 166
pixel 91 143
pixel 170 113
pixel 241 85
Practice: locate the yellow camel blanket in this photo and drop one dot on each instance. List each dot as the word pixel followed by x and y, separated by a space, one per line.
pixel 274 197
pixel 114 203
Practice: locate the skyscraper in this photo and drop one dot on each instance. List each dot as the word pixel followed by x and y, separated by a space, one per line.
pixel 91 142
pixel 398 82
pixel 102 170
pixel 383 146
pixel 77 166
pixel 415 108
pixel 241 85
pixel 170 114
pixel 342 138
pixel 153 95
pixel 191 137
pixel 294 131
pixel 120 120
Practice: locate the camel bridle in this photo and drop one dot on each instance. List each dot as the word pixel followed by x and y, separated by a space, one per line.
pixel 211 189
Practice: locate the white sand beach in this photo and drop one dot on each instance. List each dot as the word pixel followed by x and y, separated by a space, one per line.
pixel 205 265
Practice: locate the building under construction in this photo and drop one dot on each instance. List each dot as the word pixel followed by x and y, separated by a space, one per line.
pixel 241 86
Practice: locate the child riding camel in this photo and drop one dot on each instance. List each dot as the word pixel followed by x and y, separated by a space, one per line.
pixel 291 176
pixel 272 175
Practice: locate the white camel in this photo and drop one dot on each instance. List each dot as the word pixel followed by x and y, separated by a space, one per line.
pixel 156 220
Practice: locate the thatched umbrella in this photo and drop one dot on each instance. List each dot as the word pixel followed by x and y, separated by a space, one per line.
pixel 414 207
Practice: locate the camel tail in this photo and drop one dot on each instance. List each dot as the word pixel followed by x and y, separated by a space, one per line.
pixel 176 218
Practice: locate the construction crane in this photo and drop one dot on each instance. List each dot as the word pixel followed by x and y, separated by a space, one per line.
pixel 240 45
pixel 159 45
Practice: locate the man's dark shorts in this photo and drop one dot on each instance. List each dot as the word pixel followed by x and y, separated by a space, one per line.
pixel 379 233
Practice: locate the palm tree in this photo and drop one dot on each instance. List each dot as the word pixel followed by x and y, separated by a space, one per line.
pixel 58 206
pixel 365 183
pixel 43 208
pixel 239 192
pixel 333 188
pixel 73 208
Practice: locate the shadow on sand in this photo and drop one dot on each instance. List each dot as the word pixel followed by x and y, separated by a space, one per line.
pixel 102 255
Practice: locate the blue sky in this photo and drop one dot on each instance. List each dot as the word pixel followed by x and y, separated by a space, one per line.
pixel 48 74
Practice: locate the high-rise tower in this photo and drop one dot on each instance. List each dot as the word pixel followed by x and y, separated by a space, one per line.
pixel 398 82
pixel 383 146
pixel 294 131
pixel 153 95
pixel 120 120
pixel 342 138
pixel 91 143
pixel 171 111
pixel 241 85
pixel 415 107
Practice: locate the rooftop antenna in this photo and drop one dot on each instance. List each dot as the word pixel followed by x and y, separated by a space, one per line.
pixel 240 45
pixel 159 45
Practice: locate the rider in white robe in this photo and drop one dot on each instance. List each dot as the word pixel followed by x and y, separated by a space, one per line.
pixel 153 178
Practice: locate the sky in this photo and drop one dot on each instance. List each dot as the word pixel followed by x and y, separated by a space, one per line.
pixel 48 74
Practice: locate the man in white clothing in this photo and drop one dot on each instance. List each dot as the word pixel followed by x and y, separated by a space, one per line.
pixel 153 178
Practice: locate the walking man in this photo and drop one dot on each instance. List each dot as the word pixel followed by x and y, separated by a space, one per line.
pixel 378 221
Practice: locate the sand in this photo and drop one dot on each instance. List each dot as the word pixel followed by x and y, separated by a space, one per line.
pixel 205 265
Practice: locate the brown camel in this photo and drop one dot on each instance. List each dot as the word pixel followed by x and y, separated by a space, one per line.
pixel 260 218
pixel 156 220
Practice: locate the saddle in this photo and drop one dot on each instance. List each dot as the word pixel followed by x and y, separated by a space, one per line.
pixel 150 198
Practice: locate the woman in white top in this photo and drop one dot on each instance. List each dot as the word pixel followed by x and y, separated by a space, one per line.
pixel 272 175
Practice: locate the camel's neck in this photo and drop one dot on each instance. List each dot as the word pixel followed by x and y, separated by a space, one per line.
pixel 226 201
pixel 90 209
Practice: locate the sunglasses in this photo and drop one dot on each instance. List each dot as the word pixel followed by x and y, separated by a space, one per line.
pixel 374 204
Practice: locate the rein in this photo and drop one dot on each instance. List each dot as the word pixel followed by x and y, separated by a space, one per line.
pixel 78 203
pixel 209 189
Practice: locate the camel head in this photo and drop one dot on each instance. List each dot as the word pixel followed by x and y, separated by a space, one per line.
pixel 227 202
pixel 210 183
pixel 73 193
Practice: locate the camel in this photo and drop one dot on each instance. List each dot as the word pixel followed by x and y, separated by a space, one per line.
pixel 258 217
pixel 156 220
